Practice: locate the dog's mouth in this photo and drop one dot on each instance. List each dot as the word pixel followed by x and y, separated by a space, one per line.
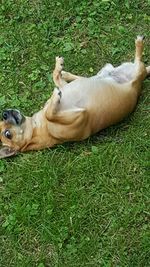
pixel 13 116
pixel 6 152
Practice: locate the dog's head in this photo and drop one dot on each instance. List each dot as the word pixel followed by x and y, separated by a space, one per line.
pixel 13 131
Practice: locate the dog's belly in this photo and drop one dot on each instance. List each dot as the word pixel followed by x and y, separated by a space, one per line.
pixel 91 92
pixel 121 74
pixel 105 100
pixel 80 93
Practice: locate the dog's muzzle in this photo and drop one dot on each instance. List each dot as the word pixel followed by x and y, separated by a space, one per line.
pixel 13 116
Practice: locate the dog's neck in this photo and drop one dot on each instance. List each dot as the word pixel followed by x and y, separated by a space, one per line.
pixel 40 136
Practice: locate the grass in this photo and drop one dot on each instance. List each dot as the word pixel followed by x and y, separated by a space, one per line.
pixel 79 204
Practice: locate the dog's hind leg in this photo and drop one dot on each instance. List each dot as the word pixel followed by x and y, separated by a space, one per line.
pixel 140 69
pixel 139 46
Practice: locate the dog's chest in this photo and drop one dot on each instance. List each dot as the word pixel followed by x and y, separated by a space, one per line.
pixel 38 120
pixel 73 96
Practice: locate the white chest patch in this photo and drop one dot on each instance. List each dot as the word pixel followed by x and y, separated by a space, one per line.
pixel 37 119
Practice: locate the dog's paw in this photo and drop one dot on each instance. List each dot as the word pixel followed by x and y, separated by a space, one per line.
pixel 139 40
pixel 57 94
pixel 59 63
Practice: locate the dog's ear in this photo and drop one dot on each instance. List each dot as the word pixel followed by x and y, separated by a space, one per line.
pixel 6 152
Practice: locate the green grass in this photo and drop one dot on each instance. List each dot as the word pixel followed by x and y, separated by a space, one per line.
pixel 79 204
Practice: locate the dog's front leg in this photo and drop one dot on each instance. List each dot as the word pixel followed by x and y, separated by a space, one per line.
pixel 69 125
pixel 61 77
pixel 54 114
pixel 67 117
pixel 57 77
pixel 69 77
pixel 52 105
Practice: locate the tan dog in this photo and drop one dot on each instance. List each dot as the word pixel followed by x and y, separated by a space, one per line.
pixel 77 109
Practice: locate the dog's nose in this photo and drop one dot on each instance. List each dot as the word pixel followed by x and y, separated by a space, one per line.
pixel 5 115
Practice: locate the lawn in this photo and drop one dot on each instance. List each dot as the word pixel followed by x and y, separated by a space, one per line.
pixel 82 204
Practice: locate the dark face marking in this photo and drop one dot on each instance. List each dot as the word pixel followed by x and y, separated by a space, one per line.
pixel 13 116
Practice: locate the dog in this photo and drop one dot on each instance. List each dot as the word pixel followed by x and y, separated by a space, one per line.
pixel 79 106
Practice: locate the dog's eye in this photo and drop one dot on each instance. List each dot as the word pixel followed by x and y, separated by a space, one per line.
pixel 8 134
